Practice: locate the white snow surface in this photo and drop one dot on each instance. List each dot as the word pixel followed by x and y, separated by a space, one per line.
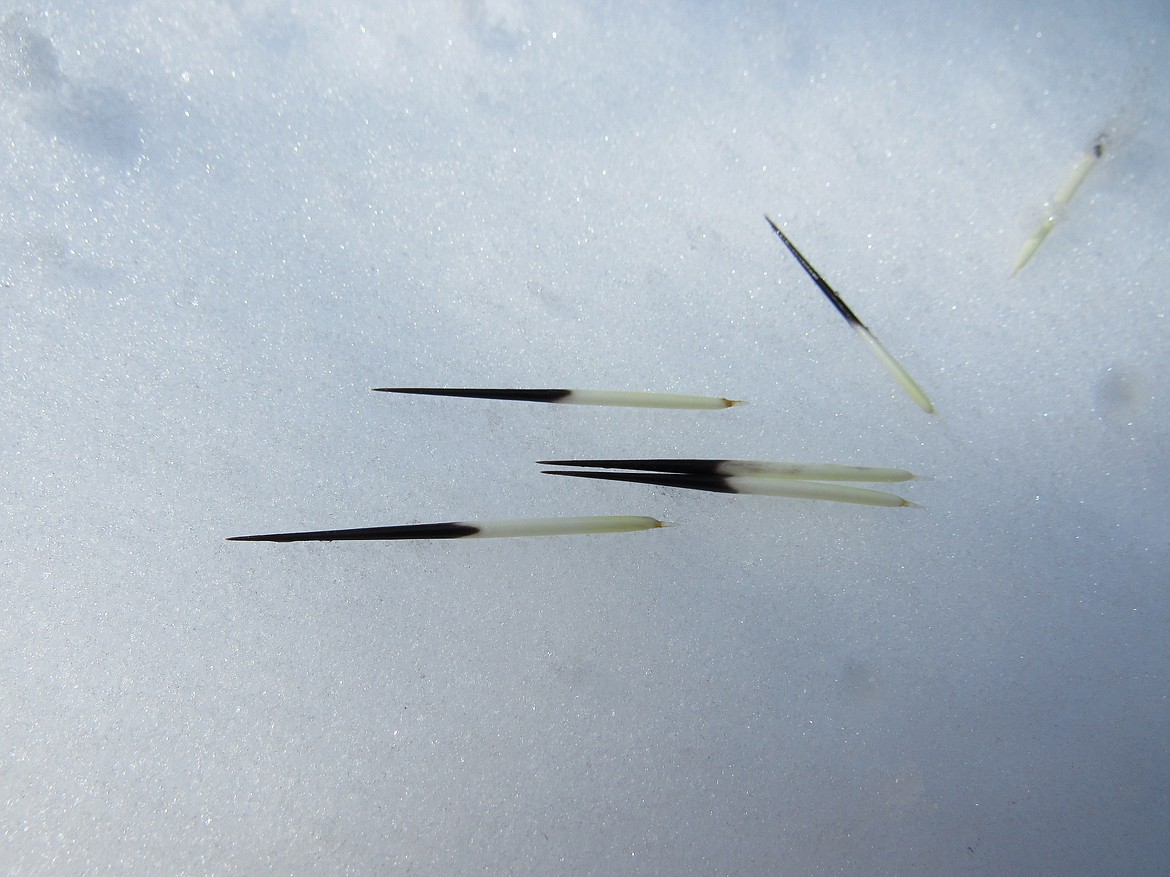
pixel 224 222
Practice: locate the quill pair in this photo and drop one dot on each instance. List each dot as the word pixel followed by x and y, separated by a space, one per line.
pixel 795 480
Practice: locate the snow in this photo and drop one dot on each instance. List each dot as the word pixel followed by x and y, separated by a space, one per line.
pixel 223 223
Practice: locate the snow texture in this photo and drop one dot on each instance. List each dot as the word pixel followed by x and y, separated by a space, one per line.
pixel 224 222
